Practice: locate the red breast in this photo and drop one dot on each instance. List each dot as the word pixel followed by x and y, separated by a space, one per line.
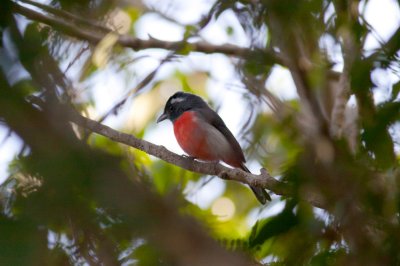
pixel 203 141
pixel 191 137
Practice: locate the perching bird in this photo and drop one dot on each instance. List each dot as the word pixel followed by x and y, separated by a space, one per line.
pixel 203 135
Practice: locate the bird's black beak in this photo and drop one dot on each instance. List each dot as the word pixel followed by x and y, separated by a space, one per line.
pixel 162 117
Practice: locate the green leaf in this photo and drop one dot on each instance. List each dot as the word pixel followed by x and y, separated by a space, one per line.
pixel 230 30
pixel 328 257
pixel 274 226
pixel 147 255
pixel 22 243
pixel 167 177
pixel 395 90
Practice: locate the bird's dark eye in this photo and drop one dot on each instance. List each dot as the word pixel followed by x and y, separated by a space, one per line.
pixel 170 108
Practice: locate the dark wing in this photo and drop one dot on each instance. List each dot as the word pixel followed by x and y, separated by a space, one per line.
pixel 214 119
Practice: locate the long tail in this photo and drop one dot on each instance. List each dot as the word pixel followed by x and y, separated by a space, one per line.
pixel 261 194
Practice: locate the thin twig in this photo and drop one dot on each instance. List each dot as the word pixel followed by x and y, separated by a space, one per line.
pixel 140 86
pixel 69 16
pixel 76 58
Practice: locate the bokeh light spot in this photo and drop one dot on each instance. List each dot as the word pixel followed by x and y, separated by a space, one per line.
pixel 223 208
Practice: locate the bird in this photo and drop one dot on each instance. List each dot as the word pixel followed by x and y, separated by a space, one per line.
pixel 203 135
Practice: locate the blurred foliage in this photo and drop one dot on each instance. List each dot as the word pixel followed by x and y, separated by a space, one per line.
pixel 76 198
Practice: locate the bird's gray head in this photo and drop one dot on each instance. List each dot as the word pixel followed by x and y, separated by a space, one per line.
pixel 179 103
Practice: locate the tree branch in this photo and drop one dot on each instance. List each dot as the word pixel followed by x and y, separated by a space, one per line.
pixel 209 168
pixel 127 41
pixel 264 179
